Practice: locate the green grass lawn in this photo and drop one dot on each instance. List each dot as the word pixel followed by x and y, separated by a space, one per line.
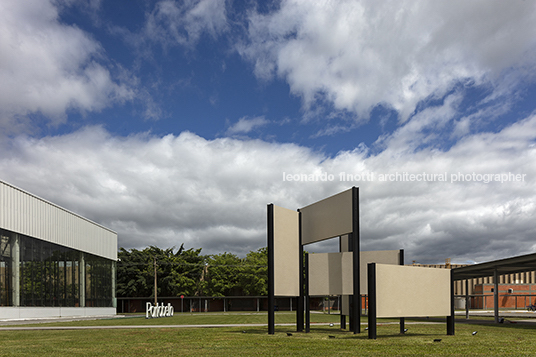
pixel 491 339
pixel 200 319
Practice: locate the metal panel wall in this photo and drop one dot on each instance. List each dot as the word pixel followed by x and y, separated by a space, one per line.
pixel 376 256
pixel 328 218
pixel 286 252
pixel 24 213
pixel 325 274
pixel 331 273
pixel 406 291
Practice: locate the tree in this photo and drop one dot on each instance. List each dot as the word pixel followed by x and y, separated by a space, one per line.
pixel 178 273
pixel 254 273
pixel 133 273
pixel 222 275
pixel 187 272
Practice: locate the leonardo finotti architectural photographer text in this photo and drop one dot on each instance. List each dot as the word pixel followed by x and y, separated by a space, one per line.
pixel 407 177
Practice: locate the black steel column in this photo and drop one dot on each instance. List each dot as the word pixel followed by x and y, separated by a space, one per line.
pixel 299 309
pixel 307 304
pixel 343 317
pixel 467 299
pixel 356 313
pixel 401 262
pixel 271 282
pixel 371 287
pixel 496 295
pixel 350 311
pixel 450 319
pixel 351 297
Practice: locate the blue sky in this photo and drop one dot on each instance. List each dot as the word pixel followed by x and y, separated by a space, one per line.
pixel 174 121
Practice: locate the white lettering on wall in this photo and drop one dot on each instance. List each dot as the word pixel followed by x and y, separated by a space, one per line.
pixel 158 311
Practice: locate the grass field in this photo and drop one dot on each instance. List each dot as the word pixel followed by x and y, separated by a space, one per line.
pixel 491 339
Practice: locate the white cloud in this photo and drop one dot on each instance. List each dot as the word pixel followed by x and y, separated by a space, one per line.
pixel 245 125
pixel 358 54
pixel 424 129
pixel 48 67
pixel 213 193
pixel 184 22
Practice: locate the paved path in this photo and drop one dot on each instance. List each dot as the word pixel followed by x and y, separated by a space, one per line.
pixel 28 328
pixel 12 328
pixel 502 313
pixel 45 320
pixel 14 325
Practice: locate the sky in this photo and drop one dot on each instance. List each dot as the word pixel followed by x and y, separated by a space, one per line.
pixel 176 122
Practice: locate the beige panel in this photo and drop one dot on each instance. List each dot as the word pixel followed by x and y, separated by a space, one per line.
pixel 344 243
pixel 407 291
pixel 375 256
pixel 286 252
pixel 345 302
pixel 332 273
pixel 347 273
pixel 27 214
pixel 325 276
pixel 378 256
pixel 328 218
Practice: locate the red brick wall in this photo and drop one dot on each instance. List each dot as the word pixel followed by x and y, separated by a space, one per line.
pixel 521 296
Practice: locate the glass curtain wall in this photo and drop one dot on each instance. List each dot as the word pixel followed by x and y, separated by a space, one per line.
pixel 98 282
pixel 5 270
pixel 50 275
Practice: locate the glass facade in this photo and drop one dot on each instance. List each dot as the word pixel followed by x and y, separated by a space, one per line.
pixel 6 293
pixel 52 275
pixel 98 282
pixel 5 271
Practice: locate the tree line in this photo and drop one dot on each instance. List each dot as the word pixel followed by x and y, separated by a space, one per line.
pixel 188 272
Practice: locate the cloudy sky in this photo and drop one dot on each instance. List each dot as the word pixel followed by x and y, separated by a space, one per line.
pixel 178 121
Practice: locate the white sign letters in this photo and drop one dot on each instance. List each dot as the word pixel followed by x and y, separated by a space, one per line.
pixel 158 310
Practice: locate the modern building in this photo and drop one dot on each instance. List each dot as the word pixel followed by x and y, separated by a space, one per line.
pixel 53 262
pixel 516 290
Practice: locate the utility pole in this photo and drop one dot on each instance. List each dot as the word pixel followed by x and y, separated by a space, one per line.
pixel 155 286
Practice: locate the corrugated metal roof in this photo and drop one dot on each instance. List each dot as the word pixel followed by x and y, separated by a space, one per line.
pixel 28 214
pixel 511 265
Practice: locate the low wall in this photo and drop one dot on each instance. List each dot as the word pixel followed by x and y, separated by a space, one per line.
pixel 223 304
pixel 26 313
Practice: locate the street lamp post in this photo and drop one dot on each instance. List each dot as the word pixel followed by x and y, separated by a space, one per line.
pixel 155 284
